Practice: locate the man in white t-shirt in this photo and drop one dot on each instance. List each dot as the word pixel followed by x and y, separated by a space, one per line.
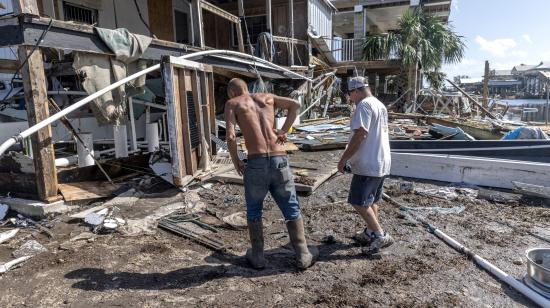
pixel 368 155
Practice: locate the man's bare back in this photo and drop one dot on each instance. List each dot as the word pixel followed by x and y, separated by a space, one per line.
pixel 255 114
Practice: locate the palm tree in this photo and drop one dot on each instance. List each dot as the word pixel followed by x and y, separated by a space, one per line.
pixel 422 40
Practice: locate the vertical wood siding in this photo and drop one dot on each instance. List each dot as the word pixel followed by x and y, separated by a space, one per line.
pixel 320 19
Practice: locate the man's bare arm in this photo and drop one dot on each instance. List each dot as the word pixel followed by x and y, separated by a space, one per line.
pixel 231 137
pixel 353 146
pixel 289 104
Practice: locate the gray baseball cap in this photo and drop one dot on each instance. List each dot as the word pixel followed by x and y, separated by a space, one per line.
pixel 357 83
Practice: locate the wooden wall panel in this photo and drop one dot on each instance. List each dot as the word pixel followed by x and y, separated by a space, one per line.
pixel 161 19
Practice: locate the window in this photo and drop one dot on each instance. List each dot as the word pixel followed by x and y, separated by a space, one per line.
pixel 182 29
pixel 255 25
pixel 73 12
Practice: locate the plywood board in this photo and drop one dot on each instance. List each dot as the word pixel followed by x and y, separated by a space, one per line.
pixel 160 19
pixel 81 191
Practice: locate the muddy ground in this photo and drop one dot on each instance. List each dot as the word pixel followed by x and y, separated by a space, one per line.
pixel 165 270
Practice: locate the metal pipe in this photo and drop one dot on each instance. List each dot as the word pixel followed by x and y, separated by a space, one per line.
pixel 497 272
pixel 38 126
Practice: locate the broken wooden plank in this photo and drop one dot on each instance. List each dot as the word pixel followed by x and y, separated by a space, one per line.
pixel 91 190
pixel 531 190
pixel 472 170
pixel 497 196
pixel 318 177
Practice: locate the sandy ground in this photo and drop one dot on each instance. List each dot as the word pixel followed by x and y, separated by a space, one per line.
pixel 165 270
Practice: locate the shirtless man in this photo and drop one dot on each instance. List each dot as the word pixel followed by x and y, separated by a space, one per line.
pixel 267 167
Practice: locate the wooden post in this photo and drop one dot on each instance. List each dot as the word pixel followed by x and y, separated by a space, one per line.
pixel 198 29
pixel 291 27
pixel 240 41
pixel 34 84
pixel 485 99
pixel 29 7
pixel 239 29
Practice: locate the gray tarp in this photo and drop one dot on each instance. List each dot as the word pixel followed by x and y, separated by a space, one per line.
pixel 99 71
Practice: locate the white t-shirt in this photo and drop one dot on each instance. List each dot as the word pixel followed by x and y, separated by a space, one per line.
pixel 373 157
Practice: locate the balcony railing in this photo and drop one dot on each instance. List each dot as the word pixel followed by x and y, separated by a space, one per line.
pixel 344 50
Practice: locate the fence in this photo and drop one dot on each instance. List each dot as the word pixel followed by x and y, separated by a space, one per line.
pixel 534 113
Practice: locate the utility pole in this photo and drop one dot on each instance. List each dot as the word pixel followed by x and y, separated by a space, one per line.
pixel 547 100
pixel 485 99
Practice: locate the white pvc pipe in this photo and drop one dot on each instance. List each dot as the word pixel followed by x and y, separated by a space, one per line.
pixel 38 126
pixel 121 141
pixel 511 281
pixel 71 160
pixel 152 137
pixel 85 151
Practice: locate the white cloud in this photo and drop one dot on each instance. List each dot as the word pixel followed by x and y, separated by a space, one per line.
pixel 519 53
pixel 456 6
pixel 527 38
pixel 497 47
pixel 468 66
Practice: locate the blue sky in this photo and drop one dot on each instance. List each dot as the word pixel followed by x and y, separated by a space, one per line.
pixel 504 32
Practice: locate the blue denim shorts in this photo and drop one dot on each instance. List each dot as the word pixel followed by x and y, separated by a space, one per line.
pixel 271 174
pixel 365 190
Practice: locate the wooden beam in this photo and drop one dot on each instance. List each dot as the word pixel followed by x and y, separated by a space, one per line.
pixel 184 86
pixel 171 88
pixel 205 5
pixel 34 83
pixel 283 39
pixel 198 28
pixel 531 190
pixel 75 37
pixel 485 99
pixel 8 66
pixel 205 107
pixel 485 111
pixel 212 108
pixel 240 40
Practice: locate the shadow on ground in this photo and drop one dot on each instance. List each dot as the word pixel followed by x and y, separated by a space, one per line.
pixel 280 261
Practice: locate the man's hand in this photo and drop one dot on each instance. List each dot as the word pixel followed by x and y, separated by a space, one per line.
pixel 239 166
pixel 342 166
pixel 281 136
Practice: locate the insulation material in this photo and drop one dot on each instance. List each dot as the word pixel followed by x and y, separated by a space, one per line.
pixel 99 71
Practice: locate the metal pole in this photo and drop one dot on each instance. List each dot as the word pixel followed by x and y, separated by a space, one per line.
pixel 547 101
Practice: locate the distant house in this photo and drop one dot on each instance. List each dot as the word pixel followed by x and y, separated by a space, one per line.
pixel 501 75
pixel 533 84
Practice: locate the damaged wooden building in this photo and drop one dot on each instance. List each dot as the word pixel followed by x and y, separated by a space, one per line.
pixel 55 54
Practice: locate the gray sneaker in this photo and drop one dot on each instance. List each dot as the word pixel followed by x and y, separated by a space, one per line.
pixel 363 238
pixel 377 243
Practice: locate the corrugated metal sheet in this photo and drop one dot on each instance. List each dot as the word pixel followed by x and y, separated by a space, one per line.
pixel 8 7
pixel 320 19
